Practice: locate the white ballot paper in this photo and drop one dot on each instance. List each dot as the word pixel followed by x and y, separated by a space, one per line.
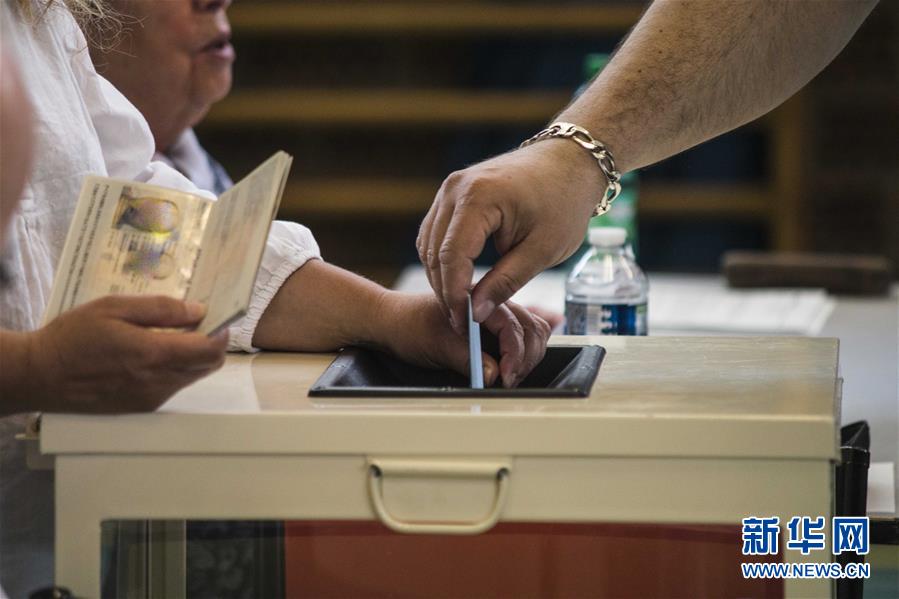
pixel 129 238
pixel 475 360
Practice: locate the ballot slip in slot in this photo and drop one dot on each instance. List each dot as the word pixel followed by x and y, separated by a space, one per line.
pixel 476 360
pixel 566 372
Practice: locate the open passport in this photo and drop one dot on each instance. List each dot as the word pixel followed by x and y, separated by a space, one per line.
pixel 137 239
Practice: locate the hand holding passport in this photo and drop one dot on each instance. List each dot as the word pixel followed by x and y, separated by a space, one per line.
pixel 130 238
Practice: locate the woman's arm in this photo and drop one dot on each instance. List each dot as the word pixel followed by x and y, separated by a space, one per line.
pixel 321 307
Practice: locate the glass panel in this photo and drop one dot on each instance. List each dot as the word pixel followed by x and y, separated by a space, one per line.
pixel 196 559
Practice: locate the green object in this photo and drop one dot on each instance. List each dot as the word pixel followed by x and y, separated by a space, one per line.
pixel 593 64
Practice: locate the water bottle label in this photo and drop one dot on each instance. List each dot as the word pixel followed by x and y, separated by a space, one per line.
pixel 605 319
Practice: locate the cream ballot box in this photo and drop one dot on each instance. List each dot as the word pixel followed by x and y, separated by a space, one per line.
pixel 638 488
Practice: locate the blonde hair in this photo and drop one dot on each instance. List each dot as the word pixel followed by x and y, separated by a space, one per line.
pixel 100 23
pixel 81 9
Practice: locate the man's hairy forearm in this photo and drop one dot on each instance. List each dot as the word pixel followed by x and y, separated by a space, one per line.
pixel 691 70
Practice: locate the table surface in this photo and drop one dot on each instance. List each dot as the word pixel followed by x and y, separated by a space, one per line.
pixel 665 396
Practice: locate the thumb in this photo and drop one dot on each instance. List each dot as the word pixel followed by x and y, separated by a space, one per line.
pixel 155 311
pixel 456 357
pixel 491 369
pixel 505 279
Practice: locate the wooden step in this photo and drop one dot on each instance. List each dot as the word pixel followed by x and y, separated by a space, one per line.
pixel 385 107
pixel 423 18
pixel 404 198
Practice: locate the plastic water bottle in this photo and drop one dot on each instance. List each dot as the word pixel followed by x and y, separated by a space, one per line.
pixel 606 292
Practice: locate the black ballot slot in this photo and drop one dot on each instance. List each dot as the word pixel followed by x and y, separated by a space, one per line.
pixel 566 371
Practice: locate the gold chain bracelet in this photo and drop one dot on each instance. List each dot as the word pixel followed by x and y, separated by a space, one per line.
pixel 596 148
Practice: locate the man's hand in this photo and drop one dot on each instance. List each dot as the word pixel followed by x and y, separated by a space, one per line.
pixel 103 357
pixel 535 202
pixel 416 330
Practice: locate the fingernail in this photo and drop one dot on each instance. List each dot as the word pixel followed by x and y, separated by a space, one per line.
pixel 508 375
pixel 195 310
pixel 489 373
pixel 507 381
pixel 483 309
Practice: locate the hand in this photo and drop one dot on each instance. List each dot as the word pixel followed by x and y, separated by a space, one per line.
pixel 416 330
pixel 535 202
pixel 103 357
pixel 553 319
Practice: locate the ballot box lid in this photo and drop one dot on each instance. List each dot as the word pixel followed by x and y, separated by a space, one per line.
pixel 738 397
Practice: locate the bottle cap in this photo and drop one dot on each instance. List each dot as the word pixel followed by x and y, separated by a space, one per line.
pixel 607 236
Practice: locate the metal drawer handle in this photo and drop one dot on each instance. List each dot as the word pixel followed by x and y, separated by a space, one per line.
pixel 379 469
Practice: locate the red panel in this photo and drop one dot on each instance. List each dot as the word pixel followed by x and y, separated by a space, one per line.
pixel 363 559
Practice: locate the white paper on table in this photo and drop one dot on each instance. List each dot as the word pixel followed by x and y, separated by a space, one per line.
pixel 685 303
pixel 881 488
pixel 705 304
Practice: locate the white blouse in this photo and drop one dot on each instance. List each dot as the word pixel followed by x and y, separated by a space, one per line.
pixel 83 125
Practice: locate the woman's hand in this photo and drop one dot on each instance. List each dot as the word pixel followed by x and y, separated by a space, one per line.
pixel 415 329
pixel 322 307
pixel 104 357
